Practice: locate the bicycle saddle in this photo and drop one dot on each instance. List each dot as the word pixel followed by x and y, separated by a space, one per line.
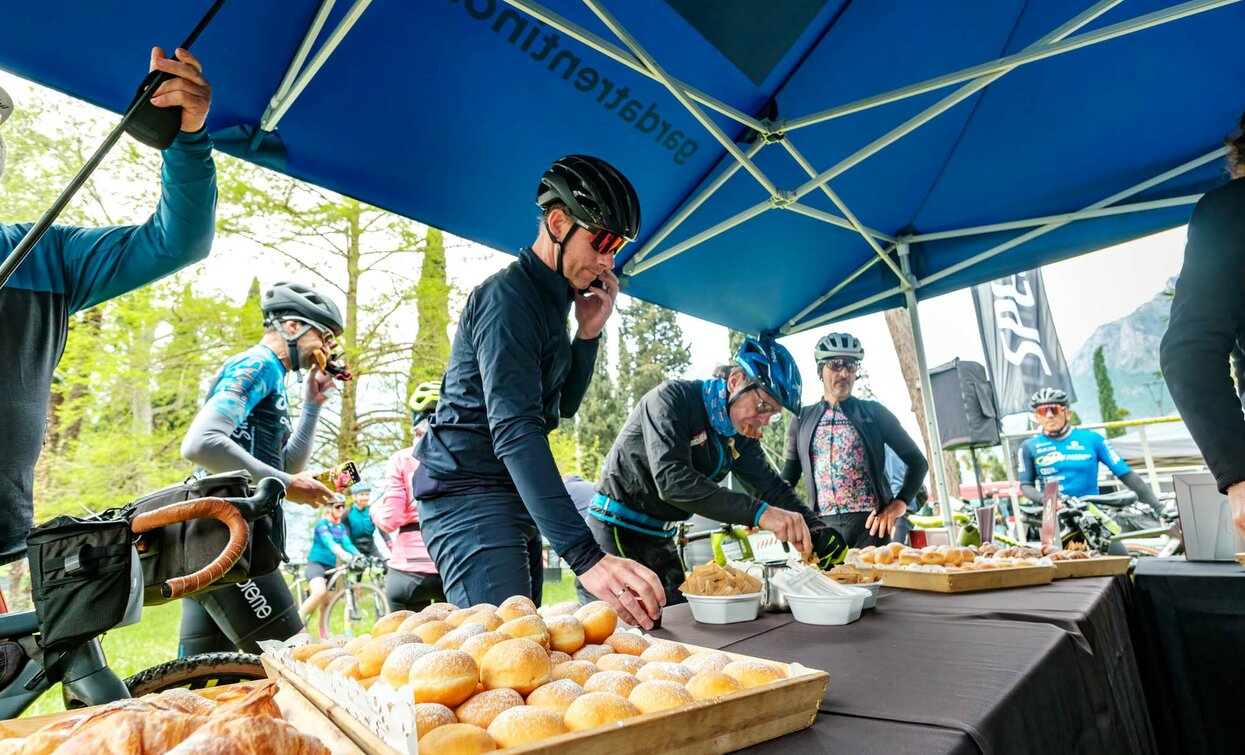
pixel 268 495
pixel 1116 500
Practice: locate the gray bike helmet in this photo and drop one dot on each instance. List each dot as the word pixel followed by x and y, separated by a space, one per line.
pixel 1048 396
pixel 6 109
pixel 287 300
pixel 834 345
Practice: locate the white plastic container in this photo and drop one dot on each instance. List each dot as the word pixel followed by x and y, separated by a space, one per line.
pixel 724 609
pixel 872 587
pixel 828 610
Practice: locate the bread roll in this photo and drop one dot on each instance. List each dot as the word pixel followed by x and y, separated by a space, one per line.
pixel 346 666
pixel 592 653
pixel 597 709
pixel 322 659
pixel 444 676
pixel 521 665
pixel 459 617
pixel 515 606
pixel 557 657
pixel 528 628
pixel 429 716
pixel 456 739
pixel 432 631
pixel 453 640
pixel 599 619
pixel 619 662
pixel 882 557
pixel 671 672
pixel 666 652
pixel 566 634
pixel 411 622
pixel 438 611
pixel 615 682
pixel 651 697
pixel 710 684
pixel 373 656
pixel 708 661
pixel 304 652
pixel 753 673
pixel 390 622
pixel 355 646
pixel 520 726
pixel 565 608
pixel 628 643
pixel 479 644
pixel 557 695
pixel 909 556
pixel 489 620
pixel 577 671
pixel 397 666
pixel 481 708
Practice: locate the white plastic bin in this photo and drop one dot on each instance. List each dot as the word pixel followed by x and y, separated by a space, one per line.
pixel 830 610
pixel 872 587
pixel 724 609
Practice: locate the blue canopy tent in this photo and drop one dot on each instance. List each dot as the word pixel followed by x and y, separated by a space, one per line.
pixel 798 161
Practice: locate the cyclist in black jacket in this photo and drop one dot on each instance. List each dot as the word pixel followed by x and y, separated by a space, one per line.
pixel 487 483
pixel 680 441
pixel 1207 324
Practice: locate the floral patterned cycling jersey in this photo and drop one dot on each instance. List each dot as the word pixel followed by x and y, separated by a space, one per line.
pixel 840 469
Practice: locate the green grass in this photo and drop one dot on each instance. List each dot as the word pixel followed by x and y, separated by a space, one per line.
pixel 153 641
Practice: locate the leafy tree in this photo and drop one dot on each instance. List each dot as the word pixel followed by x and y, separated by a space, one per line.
pixel 653 349
pixel 1106 395
pixel 774 436
pixel 430 352
pixel 600 416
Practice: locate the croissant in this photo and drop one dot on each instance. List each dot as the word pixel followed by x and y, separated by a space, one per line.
pixel 258 702
pixel 248 735
pixel 129 732
pixel 181 701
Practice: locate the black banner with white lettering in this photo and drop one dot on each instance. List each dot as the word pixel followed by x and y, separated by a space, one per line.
pixel 1018 335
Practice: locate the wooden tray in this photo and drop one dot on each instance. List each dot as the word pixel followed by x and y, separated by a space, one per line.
pixel 1240 559
pixel 1104 566
pixel 706 727
pixel 294 708
pixel 964 581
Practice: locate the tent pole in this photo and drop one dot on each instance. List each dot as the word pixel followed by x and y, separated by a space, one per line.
pixel 795 320
pixel 927 391
pixel 703 236
pixel 844 311
pixel 1067 217
pixel 1013 490
pixel 870 234
pixel 1028 55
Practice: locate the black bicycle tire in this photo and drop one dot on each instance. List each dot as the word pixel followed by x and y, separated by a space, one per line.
pixel 197 672
pixel 340 595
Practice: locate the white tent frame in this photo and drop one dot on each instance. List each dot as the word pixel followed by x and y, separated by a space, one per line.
pixel 895 254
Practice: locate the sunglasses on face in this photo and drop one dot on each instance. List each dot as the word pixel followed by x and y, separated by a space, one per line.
pixel 844 364
pixel 764 407
pixel 604 242
pixel 1048 410
pixel 338 507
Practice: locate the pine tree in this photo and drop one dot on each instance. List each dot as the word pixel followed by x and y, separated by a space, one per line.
pixel 1106 395
pixel 430 352
pixel 600 416
pixel 654 349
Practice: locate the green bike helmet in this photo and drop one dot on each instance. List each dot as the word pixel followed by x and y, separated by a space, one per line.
pixel 424 399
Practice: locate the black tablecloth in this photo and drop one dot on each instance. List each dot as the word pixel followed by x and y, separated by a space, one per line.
pixel 1043 669
pixel 1189 623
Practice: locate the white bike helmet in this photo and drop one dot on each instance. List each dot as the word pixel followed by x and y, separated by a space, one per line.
pixel 834 345
pixel 6 109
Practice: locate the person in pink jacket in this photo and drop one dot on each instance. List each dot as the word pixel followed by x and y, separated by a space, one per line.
pixel 412 581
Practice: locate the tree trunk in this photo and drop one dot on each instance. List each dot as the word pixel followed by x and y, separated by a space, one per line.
pixel 900 327
pixel 348 429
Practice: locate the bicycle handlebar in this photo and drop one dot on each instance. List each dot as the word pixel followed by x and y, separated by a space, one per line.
pixel 201 508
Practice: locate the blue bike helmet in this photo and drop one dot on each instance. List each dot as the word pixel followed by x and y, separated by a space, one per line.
pixel 770 366
pixel 361 487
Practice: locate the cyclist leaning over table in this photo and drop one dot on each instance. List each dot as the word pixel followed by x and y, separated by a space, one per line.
pixel 245 424
pixel 680 441
pixel 1070 456
pixel 330 542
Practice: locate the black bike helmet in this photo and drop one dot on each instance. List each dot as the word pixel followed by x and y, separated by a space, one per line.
pixel 594 193
pixel 288 300
pixel 1048 396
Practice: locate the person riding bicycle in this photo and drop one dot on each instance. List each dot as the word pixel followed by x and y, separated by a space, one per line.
pixel 1070 456
pixel 411 579
pixel 245 424
pixel 838 445
pixel 681 440
pixel 487 483
pixel 72 269
pixel 330 542
pixel 358 519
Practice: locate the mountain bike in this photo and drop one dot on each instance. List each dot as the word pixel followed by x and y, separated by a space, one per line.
pixel 84 670
pixel 354 605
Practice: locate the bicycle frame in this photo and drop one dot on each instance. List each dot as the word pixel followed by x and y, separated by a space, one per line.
pixel 83 670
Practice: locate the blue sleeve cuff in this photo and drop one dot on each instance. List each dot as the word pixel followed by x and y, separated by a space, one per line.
pixel 757 522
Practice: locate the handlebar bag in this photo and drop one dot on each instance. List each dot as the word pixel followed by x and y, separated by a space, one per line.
pixel 80 574
pixel 186 547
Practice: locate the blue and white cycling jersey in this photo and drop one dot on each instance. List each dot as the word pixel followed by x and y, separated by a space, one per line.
pixel 251 391
pixel 1071 461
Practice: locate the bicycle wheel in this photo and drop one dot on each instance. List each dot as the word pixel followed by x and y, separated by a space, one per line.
pixel 369 604
pixel 195 672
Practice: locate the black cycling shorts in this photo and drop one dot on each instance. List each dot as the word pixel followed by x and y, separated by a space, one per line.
pixel 316 569
pixel 239 616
